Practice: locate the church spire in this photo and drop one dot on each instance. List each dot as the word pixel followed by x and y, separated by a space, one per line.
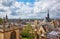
pixel 6 16
pixel 47 19
pixel 48 14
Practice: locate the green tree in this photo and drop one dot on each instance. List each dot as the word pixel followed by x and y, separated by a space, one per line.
pixel 27 32
pixel 1 21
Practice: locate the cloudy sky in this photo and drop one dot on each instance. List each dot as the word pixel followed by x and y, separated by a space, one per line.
pixel 25 9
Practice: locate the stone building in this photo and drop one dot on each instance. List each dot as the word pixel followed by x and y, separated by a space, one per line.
pixel 8 31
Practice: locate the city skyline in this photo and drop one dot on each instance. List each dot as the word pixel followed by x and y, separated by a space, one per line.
pixel 29 8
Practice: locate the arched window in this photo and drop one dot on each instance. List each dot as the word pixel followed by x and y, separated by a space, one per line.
pixel 13 35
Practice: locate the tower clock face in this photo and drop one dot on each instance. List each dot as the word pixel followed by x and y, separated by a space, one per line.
pixel 8 2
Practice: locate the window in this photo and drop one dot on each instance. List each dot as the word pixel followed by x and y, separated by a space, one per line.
pixel 13 35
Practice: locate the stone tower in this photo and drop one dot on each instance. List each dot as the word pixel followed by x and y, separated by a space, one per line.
pixel 8 31
pixel 35 22
pixel 5 19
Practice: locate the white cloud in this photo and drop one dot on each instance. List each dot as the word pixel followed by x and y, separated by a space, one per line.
pixel 39 6
pixel 20 9
pixel 53 6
